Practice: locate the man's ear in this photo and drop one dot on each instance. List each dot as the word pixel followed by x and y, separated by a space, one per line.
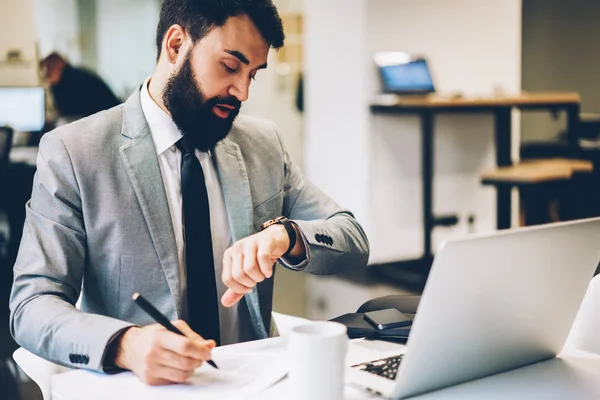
pixel 173 43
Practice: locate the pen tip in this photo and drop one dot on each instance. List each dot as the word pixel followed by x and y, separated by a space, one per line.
pixel 135 296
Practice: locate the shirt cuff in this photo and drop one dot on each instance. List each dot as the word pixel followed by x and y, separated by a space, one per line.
pixel 108 366
pixel 293 263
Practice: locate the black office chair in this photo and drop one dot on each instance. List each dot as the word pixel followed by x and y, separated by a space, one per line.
pixel 406 304
pixel 8 382
pixel 582 199
pixel 6 136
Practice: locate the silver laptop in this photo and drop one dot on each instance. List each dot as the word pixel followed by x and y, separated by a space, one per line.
pixel 492 303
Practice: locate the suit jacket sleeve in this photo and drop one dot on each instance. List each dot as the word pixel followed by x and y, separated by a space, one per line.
pixel 334 240
pixel 50 267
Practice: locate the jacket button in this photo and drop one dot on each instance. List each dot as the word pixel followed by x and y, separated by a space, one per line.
pixel 72 358
pixel 318 238
pixel 86 359
pixel 330 240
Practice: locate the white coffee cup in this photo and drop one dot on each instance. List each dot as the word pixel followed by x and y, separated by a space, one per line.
pixel 317 356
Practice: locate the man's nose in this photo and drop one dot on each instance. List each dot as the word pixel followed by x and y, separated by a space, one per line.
pixel 240 90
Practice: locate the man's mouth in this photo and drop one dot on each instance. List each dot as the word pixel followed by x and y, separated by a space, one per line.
pixel 223 110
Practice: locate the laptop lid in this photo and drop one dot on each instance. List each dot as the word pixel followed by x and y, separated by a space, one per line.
pixel 404 74
pixel 497 302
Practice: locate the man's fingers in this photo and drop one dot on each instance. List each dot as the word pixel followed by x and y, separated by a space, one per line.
pixel 238 288
pixel 232 260
pixel 237 270
pixel 250 264
pixel 186 330
pixel 173 360
pixel 162 373
pixel 265 261
pixel 230 298
pixel 199 350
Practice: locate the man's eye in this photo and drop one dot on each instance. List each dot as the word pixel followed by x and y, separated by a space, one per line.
pixel 229 69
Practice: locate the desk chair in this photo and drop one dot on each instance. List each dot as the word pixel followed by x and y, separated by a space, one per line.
pixel 38 370
pixel 585 333
pixel 541 183
pixel 6 138
pixel 7 345
pixel 406 304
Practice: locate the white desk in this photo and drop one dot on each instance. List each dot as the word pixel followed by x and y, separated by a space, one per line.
pixel 24 155
pixel 572 376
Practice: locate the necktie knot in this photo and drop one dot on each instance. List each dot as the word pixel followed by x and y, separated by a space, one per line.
pixel 184 146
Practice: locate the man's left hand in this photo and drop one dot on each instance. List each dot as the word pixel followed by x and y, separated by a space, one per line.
pixel 250 260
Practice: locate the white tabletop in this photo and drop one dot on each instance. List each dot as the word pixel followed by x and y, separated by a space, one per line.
pixel 575 375
pixel 571 376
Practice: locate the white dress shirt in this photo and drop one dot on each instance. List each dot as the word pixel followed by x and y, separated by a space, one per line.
pixel 165 134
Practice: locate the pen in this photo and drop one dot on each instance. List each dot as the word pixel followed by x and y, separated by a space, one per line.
pixel 158 317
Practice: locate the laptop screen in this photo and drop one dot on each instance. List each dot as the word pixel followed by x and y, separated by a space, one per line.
pixel 22 108
pixel 410 77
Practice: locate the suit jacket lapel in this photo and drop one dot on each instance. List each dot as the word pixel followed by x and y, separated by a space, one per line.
pixel 141 162
pixel 233 178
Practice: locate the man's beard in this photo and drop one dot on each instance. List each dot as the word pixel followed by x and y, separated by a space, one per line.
pixel 193 113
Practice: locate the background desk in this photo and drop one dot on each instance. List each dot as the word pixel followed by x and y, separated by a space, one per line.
pixel 501 107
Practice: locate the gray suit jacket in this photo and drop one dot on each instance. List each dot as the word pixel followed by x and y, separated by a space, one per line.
pixel 98 224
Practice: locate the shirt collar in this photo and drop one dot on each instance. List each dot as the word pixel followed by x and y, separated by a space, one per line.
pixel 164 131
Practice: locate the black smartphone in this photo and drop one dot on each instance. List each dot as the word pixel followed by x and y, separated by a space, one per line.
pixel 387 319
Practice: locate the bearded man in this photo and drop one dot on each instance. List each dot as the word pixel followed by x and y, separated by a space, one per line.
pixel 172 196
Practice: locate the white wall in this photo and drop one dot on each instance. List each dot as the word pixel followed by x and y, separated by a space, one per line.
pixel 18 32
pixel 337 139
pixel 86 13
pixel 125 36
pixel 473 46
pixel 274 98
pixel 57 28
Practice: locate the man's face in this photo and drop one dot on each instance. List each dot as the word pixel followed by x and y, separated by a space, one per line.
pixel 51 72
pixel 205 94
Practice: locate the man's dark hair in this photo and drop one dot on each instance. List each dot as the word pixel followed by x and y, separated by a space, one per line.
pixel 53 59
pixel 199 17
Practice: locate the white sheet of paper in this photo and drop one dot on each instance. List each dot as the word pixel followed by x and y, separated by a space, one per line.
pixel 243 371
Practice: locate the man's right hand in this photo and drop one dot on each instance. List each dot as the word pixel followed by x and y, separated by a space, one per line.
pixel 160 357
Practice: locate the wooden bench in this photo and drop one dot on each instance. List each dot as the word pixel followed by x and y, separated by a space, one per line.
pixel 540 182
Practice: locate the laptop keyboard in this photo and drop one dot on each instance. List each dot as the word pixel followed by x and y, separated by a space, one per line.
pixel 385 367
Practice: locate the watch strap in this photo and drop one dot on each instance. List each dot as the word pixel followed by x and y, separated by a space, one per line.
pixel 289 227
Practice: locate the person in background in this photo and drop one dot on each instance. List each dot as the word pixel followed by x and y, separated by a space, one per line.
pixel 77 92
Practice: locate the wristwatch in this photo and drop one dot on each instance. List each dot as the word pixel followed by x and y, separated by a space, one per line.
pixel 289 227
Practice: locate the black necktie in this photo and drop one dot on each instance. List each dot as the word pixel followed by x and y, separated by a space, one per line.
pixel 202 300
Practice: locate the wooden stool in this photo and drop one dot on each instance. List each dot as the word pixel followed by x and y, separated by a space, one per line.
pixel 539 182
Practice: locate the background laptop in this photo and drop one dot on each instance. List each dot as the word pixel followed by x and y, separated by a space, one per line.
pixel 404 74
pixel 23 108
pixel 492 303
